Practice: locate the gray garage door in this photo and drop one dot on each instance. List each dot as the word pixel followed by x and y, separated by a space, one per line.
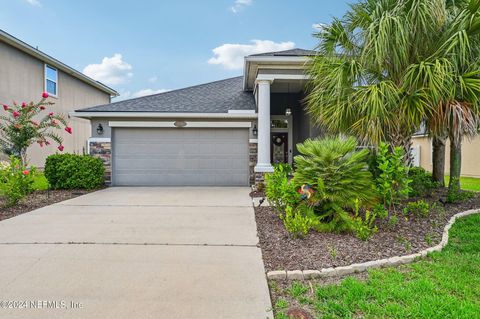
pixel 180 157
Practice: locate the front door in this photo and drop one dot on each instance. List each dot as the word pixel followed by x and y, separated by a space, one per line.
pixel 279 148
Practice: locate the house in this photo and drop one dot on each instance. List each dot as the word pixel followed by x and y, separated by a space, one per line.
pixel 26 72
pixel 470 154
pixel 224 133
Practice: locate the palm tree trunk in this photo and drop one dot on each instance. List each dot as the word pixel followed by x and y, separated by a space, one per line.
pixel 455 165
pixel 438 160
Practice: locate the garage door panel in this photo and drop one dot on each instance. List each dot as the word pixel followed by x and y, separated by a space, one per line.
pixel 178 157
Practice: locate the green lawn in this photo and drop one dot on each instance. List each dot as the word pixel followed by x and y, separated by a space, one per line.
pixel 467 183
pixel 445 285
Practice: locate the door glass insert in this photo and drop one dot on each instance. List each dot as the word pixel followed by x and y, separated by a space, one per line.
pixel 279 124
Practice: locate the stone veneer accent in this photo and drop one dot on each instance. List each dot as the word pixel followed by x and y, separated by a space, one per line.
pixel 252 153
pixel 103 151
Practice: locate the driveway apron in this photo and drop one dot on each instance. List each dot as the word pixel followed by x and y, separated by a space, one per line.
pixel 142 252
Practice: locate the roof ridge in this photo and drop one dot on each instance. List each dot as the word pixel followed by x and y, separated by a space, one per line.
pixel 176 90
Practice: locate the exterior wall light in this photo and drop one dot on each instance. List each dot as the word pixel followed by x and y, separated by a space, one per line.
pixel 255 130
pixel 288 111
pixel 100 129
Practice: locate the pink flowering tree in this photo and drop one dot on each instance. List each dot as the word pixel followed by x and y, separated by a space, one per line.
pixel 25 124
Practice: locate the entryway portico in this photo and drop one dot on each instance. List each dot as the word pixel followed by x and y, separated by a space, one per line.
pixel 278 83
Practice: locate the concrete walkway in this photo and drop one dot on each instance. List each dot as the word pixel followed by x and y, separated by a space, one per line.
pixel 136 253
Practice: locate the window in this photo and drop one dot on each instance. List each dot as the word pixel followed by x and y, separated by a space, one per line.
pixel 51 80
pixel 279 124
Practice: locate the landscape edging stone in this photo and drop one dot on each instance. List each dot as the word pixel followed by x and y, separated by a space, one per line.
pixel 361 267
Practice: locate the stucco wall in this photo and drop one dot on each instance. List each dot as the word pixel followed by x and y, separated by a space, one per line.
pixel 22 79
pixel 470 155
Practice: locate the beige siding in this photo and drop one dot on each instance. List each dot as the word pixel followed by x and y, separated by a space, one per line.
pixel 470 155
pixel 22 79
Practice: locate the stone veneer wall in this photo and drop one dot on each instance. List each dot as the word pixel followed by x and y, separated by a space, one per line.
pixel 103 151
pixel 252 152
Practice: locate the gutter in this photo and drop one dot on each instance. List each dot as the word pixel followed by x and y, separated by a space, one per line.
pixel 156 115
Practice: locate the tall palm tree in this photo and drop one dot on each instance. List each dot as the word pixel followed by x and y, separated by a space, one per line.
pixel 386 66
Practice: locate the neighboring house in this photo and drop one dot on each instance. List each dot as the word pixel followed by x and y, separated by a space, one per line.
pixel 470 154
pixel 224 133
pixel 26 72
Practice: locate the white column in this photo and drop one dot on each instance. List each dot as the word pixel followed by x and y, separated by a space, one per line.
pixel 263 155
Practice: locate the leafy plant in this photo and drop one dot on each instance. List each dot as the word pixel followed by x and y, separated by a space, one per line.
pixel 422 183
pixel 459 196
pixel 299 220
pixel 16 181
pixel 71 171
pixel 392 221
pixel 392 182
pixel 380 211
pixel 338 175
pixel 419 208
pixel 364 228
pixel 19 129
pixel 279 190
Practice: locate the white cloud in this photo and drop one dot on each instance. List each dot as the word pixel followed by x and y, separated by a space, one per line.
pixel 240 4
pixel 153 79
pixel 35 3
pixel 124 95
pixel 231 55
pixel 319 26
pixel 111 71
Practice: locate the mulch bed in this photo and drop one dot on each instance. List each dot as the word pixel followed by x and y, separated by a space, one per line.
pixel 322 250
pixel 36 200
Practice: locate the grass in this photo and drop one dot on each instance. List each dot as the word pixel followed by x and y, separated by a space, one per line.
pixel 467 183
pixel 444 285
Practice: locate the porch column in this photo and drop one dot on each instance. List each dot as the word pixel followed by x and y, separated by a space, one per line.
pixel 263 157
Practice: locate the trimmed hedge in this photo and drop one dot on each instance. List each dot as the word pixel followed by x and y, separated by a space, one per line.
pixel 71 171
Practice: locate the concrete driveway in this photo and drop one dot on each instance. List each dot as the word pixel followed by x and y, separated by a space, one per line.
pixel 135 253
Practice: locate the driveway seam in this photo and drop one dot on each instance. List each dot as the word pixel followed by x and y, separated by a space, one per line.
pixel 125 244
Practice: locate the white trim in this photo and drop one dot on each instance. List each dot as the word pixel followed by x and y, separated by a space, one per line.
pixel 163 115
pixel 140 124
pixel 288 130
pixel 45 65
pixel 187 124
pixel 241 111
pixel 253 140
pixel 273 77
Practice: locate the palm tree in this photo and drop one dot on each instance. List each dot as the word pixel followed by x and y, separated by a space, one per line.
pixel 387 65
pixel 458 114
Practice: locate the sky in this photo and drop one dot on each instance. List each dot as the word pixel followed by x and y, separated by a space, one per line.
pixel 145 46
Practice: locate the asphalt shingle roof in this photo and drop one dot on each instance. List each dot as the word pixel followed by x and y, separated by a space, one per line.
pixel 215 97
pixel 292 52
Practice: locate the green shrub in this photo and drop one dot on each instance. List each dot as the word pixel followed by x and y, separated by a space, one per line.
pixel 299 220
pixel 422 183
pixel 339 176
pixel 459 196
pixel 71 171
pixel 419 208
pixel 279 190
pixel 16 181
pixel 380 211
pixel 392 181
pixel 364 228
